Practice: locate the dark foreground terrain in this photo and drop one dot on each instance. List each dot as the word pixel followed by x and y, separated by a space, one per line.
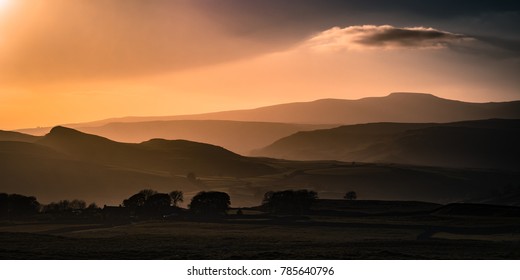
pixel 336 229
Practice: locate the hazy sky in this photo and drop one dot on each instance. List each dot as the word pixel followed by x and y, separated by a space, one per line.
pixel 65 61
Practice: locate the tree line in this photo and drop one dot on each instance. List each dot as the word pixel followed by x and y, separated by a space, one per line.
pixel 150 203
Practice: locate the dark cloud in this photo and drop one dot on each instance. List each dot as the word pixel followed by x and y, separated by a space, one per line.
pixel 409 37
pixel 91 39
pixel 287 21
pixel 385 36
pixel 390 37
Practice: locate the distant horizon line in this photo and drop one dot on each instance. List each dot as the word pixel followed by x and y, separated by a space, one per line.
pixel 114 119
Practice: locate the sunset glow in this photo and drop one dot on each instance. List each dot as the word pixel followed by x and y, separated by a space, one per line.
pixel 3 3
pixel 260 129
pixel 72 61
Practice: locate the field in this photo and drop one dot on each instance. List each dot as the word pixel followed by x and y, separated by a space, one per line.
pixel 333 230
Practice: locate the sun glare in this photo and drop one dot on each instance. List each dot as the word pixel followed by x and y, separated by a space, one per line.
pixel 4 3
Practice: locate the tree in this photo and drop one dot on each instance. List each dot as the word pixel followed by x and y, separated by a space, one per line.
pixel 210 203
pixel 267 197
pixel 148 203
pixel 147 193
pixel 57 207
pixel 77 204
pixel 65 207
pixel 135 201
pixel 157 204
pixel 93 206
pixel 289 201
pixel 351 195
pixel 4 205
pixel 20 205
pixel 177 196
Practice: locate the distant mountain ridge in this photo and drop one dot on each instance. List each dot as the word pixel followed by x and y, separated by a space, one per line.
pixel 395 107
pixel 478 144
pixel 245 130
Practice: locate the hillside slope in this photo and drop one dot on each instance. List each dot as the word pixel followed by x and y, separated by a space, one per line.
pixel 481 144
pixel 67 164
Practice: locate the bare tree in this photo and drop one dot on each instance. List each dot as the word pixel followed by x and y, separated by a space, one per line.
pixel 147 193
pixel 177 196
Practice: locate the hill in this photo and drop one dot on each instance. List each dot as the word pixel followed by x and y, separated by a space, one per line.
pixel 477 144
pixel 237 136
pixel 244 130
pixel 396 107
pixel 16 136
pixel 69 164
pixel 176 156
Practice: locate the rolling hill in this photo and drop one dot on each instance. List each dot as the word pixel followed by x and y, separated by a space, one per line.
pixel 16 136
pixel 477 144
pixel 244 130
pixel 67 163
pixel 174 156
pixel 239 137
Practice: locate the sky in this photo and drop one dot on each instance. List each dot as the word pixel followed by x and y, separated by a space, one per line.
pixel 65 61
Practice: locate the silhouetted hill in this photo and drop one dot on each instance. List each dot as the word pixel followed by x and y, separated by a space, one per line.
pixel 16 136
pixel 35 170
pixel 243 131
pixel 175 156
pixel 13 148
pixel 240 137
pixel 70 164
pixel 67 164
pixel 55 169
pixel 396 107
pixel 483 144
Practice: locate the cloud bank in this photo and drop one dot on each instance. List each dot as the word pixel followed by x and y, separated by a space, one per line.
pixel 362 37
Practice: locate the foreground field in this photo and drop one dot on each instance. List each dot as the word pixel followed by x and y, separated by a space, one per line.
pixel 355 234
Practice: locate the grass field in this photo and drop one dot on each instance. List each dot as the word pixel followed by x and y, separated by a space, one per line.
pixel 414 232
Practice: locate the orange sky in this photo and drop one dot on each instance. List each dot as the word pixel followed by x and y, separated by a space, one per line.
pixel 64 61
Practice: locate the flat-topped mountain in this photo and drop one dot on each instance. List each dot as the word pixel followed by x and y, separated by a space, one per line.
pixel 396 107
